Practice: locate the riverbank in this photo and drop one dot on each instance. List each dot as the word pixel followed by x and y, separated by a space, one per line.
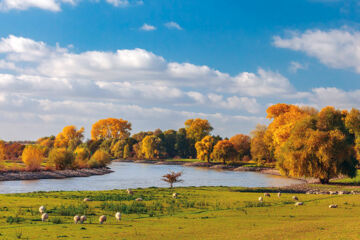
pixel 197 213
pixel 56 174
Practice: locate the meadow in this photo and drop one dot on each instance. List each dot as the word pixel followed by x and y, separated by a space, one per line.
pixel 198 213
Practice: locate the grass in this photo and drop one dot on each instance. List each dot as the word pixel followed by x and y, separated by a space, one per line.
pixel 198 213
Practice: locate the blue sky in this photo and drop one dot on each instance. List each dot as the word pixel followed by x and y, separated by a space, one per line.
pixel 157 63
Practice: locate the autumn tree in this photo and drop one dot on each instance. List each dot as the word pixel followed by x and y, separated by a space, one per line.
pixel 2 153
pixel 151 147
pixel 241 144
pixel 61 158
pixel 352 123
pixel 99 159
pixel 70 138
pixel 260 151
pixel 110 128
pixel 197 129
pixel 224 151
pixel 82 156
pixel 33 156
pixel 204 148
pixel 172 177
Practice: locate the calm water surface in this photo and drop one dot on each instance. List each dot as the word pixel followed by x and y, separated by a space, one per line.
pixel 135 175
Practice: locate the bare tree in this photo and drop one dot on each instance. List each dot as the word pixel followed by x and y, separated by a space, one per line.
pixel 172 177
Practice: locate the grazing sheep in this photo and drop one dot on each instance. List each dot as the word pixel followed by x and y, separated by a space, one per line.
pixel 82 219
pixel 118 216
pixel 266 194
pixel 44 217
pixel 279 194
pixel 295 198
pixel 87 199
pixel 175 195
pixel 333 206
pixel 299 203
pixel 138 199
pixel 260 199
pixel 76 219
pixel 42 209
pixel 129 191
pixel 102 219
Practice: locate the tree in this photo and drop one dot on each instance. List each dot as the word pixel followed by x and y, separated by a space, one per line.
pixel 241 144
pixel 352 123
pixel 204 148
pixel 223 151
pixel 82 156
pixel 100 159
pixel 169 142
pixel 197 129
pixel 182 144
pixel 61 158
pixel 110 128
pixel 151 147
pixel 32 156
pixel 70 138
pixel 260 152
pixel 126 152
pixel 172 177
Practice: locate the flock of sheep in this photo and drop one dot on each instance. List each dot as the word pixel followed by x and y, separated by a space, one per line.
pixel 295 198
pixel 82 219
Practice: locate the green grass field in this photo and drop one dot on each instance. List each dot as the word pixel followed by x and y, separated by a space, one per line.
pixel 198 213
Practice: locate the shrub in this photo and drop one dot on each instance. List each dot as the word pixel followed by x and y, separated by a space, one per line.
pixel 33 156
pixel 61 158
pixel 99 159
pixel 81 157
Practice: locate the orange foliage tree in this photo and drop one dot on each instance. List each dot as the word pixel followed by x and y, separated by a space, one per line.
pixel 224 151
pixel 110 128
pixel 197 129
pixel 70 137
pixel 204 148
pixel 33 156
pixel 241 144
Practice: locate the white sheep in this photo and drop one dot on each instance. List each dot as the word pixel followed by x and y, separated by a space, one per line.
pixel 260 199
pixel 333 206
pixel 102 219
pixel 175 195
pixel 76 219
pixel 44 217
pixel 87 199
pixel 279 194
pixel 138 199
pixel 295 198
pixel 129 191
pixel 118 216
pixel 82 219
pixel 266 194
pixel 42 209
pixel 299 203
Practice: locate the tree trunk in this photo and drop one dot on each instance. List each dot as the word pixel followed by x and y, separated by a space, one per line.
pixel 171 185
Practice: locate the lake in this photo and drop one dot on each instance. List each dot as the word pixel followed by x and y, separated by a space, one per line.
pixel 140 175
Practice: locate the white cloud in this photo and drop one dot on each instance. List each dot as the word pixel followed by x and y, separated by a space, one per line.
pixel 296 66
pixel 334 48
pixel 173 25
pixel 50 5
pixel 147 27
pixel 322 97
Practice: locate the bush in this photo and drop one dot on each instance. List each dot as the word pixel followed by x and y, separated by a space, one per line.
pixel 33 156
pixel 61 158
pixel 99 159
pixel 81 157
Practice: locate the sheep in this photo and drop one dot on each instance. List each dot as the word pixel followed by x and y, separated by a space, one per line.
pixel 87 199
pixel 279 194
pixel 129 191
pixel 260 199
pixel 42 209
pixel 174 195
pixel 138 199
pixel 266 194
pixel 295 198
pixel 76 219
pixel 333 206
pixel 102 219
pixel 82 219
pixel 118 216
pixel 299 203
pixel 44 217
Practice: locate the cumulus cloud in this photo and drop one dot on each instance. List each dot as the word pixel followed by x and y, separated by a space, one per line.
pixel 50 5
pixel 334 48
pixel 173 25
pixel 147 27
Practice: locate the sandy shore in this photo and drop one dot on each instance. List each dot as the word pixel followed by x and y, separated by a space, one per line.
pixel 58 174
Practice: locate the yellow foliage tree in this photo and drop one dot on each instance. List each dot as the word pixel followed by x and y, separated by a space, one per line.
pixel 33 156
pixel 260 152
pixel 70 137
pixel 197 129
pixel 151 147
pixel 99 159
pixel 110 128
pixel 204 148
